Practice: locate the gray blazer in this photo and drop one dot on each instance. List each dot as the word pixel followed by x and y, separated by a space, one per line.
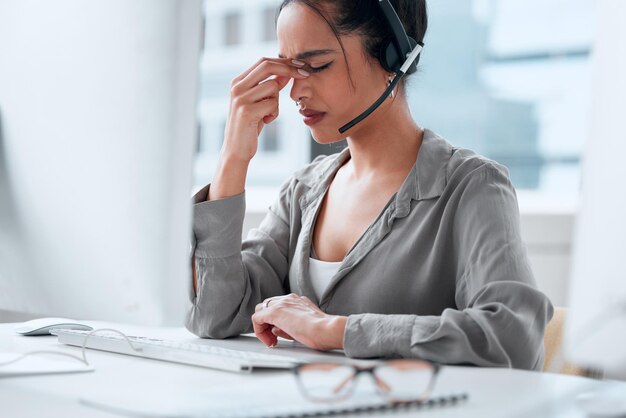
pixel 441 274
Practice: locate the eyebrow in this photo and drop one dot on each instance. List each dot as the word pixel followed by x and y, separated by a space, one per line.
pixel 313 53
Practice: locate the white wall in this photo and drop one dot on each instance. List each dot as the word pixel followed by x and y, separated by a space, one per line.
pixel 548 239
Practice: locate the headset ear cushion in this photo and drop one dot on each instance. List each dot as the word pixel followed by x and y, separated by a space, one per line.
pixel 388 56
pixel 391 60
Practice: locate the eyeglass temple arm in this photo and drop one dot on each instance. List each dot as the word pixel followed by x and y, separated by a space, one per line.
pixel 431 384
pixel 345 381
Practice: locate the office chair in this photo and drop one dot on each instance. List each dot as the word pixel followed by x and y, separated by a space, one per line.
pixel 553 342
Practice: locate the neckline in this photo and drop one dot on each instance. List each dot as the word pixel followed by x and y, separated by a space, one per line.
pixel 324 262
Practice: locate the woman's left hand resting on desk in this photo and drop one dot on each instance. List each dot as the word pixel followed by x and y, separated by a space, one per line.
pixel 297 318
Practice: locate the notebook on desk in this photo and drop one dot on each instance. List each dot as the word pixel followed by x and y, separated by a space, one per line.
pixel 275 396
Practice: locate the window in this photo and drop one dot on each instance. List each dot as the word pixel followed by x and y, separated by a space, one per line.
pixel 509 79
pixel 517 92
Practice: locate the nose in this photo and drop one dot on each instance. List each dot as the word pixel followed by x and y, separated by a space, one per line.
pixel 300 90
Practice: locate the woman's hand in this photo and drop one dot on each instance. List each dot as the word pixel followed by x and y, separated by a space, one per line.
pixel 297 318
pixel 254 103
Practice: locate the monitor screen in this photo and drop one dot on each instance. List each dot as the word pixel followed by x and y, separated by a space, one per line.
pixel 98 110
pixel 596 324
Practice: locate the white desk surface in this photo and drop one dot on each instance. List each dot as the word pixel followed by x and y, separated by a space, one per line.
pixel 492 392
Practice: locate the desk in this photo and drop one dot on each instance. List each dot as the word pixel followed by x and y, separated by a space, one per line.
pixel 492 392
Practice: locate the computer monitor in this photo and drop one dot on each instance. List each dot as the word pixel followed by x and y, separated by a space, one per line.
pixel 98 111
pixel 595 331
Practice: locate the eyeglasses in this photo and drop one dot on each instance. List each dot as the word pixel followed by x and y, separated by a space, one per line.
pixel 397 381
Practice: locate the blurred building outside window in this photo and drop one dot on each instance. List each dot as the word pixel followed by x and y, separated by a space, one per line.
pixel 232 28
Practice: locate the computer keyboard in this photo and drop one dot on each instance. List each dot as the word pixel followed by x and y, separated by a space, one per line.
pixel 176 351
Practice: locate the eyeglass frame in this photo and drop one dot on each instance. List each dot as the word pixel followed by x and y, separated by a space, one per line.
pixel 436 368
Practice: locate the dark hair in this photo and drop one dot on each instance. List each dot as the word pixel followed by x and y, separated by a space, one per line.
pixel 364 17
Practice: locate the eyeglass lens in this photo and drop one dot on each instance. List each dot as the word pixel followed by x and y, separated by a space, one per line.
pixel 405 380
pixel 397 380
pixel 326 381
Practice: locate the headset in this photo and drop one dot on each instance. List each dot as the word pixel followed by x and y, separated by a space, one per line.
pixel 398 55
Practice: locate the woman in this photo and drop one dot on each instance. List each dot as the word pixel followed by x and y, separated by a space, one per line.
pixel 399 246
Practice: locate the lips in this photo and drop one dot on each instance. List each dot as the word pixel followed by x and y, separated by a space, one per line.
pixel 309 112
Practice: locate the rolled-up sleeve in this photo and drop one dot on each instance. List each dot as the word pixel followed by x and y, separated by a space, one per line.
pixel 232 277
pixel 500 316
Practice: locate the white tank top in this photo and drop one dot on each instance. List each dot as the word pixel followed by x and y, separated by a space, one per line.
pixel 321 272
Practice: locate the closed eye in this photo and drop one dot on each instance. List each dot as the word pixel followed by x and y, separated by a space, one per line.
pixel 322 68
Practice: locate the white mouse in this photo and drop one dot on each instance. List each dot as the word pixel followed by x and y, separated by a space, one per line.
pixel 42 326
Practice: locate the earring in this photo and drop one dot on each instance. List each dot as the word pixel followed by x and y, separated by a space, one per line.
pixel 392 95
pixel 297 104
